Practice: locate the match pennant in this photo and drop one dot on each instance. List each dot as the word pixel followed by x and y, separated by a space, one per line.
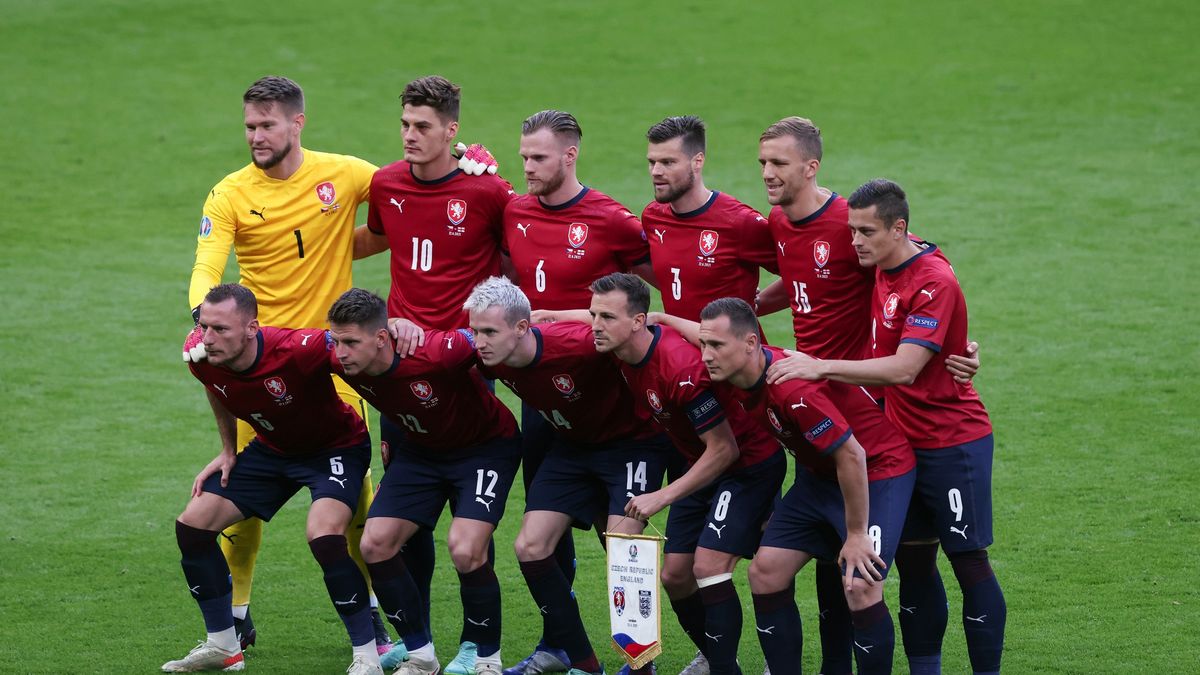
pixel 634 596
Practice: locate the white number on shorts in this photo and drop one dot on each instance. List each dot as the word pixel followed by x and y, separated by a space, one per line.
pixel 635 475
pixel 479 477
pixel 722 506
pixel 422 254
pixel 676 284
pixel 955 503
pixel 539 277
pixel 267 426
pixel 876 535
pixel 335 465
pixel 556 418
pixel 413 424
pixel 802 305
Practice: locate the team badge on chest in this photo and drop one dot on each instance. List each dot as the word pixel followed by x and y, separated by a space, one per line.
pixel 708 242
pixel 278 389
pixel 326 193
pixel 890 305
pixel 821 253
pixel 577 234
pixel 456 211
pixel 564 384
pixel 774 420
pixel 654 401
pixel 421 390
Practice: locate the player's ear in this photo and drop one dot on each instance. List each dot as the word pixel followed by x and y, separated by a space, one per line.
pixel 451 131
pixel 813 165
pixel 571 154
pixel 298 122
pixel 698 161
pixel 900 228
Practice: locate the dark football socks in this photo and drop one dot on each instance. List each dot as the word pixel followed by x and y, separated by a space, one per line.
pixel 874 639
pixel 400 600
pixel 690 612
pixel 419 554
pixel 923 612
pixel 346 586
pixel 480 592
pixel 207 575
pixel 777 622
pixel 722 626
pixel 984 612
pixel 837 631
pixel 561 623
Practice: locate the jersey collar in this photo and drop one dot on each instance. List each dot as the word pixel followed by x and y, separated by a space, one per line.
pixel 435 181
pixel 703 207
pixel 653 344
pixel 567 204
pixel 816 214
pixel 537 354
pixel 762 379
pixel 930 248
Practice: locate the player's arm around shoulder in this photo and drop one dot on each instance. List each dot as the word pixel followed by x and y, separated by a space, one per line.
pixel 370 238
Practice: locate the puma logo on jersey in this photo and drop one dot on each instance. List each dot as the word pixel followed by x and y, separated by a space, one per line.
pixel 524 228
pixel 449 341
pixel 397 204
pixel 363 386
pixel 780 244
pixel 963 531
pixel 929 293
pixel 259 213
pixel 341 603
pixel 339 481
pixel 688 382
pixel 716 529
pixel 799 405
pixel 304 340
pixel 660 234
pixel 487 505
pixel 221 389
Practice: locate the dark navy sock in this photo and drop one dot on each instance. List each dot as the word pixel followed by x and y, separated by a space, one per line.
pixel 420 555
pixel 837 631
pixel 346 586
pixel 874 639
pixel 984 611
pixel 480 591
pixel 564 555
pixel 690 612
pixel 400 600
pixel 561 623
pixel 207 575
pixel 777 622
pixel 923 611
pixel 722 626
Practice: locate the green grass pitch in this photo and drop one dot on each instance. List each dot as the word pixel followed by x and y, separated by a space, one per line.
pixel 1051 148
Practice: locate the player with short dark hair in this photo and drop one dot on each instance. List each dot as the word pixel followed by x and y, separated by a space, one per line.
pixel 734 474
pixel 279 381
pixel 853 483
pixel 459 442
pixel 289 217
pixel 602 453
pixel 919 318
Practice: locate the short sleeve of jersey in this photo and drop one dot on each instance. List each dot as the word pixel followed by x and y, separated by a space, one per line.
pixel 454 349
pixel 504 194
pixel 374 223
pixel 704 411
pixel 818 418
pixel 629 245
pixel 312 348
pixel 756 245
pixel 362 172
pixel 929 313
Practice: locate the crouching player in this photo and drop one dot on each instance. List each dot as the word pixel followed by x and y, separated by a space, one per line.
pixel 849 499
pixel 602 451
pixel 448 437
pixel 278 381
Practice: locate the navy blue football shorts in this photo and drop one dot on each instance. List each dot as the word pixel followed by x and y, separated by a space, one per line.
pixel 952 500
pixel 728 514
pixel 262 481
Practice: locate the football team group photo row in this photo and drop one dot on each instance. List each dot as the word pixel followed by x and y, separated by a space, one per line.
pixel 624 412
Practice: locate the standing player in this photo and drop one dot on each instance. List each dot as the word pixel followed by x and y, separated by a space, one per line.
pixel 919 317
pixel 830 297
pixel 278 380
pixel 852 489
pixel 603 452
pixel 734 476
pixel 444 230
pixel 289 215
pixel 460 441
pixel 562 236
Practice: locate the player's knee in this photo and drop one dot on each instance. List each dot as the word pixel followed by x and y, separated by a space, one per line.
pixel 767 576
pixel 530 548
pixel 677 579
pixel 863 595
pixel 971 567
pixel 712 565
pixel 467 555
pixel 375 548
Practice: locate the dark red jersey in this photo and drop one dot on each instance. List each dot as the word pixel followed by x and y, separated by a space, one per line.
pixel 437 395
pixel 812 419
pixel 287 394
pixel 830 292
pixel 672 385
pixel 920 302
pixel 558 251
pixel 577 389
pixel 445 237
pixel 713 252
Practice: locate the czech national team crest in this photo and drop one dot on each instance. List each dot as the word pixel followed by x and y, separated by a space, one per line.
pixel 774 420
pixel 821 253
pixel 421 390
pixel 326 193
pixel 619 599
pixel 708 242
pixel 276 386
pixel 564 384
pixel 654 401
pixel 456 211
pixel 890 305
pixel 577 234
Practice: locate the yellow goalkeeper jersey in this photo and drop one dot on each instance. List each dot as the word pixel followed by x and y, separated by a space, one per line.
pixel 294 238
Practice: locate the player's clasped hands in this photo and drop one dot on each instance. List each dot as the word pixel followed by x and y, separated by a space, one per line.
pixel 858 553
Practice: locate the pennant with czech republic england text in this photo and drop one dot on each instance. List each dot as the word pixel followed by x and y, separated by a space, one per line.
pixel 634 596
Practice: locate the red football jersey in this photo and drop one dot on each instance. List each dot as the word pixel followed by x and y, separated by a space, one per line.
pixel 812 419
pixel 672 385
pixel 558 251
pixel 830 291
pixel 577 389
pixel 287 395
pixel 437 396
pixel 445 237
pixel 921 302
pixel 713 252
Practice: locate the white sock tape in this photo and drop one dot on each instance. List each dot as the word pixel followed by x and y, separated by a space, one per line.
pixel 714 580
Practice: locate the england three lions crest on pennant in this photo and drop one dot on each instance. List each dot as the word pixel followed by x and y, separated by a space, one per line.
pixel 644 602
pixel 821 253
pixel 326 193
pixel 577 234
pixel 708 242
pixel 456 211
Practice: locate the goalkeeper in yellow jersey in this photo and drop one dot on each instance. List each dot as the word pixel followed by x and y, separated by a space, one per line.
pixel 289 216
